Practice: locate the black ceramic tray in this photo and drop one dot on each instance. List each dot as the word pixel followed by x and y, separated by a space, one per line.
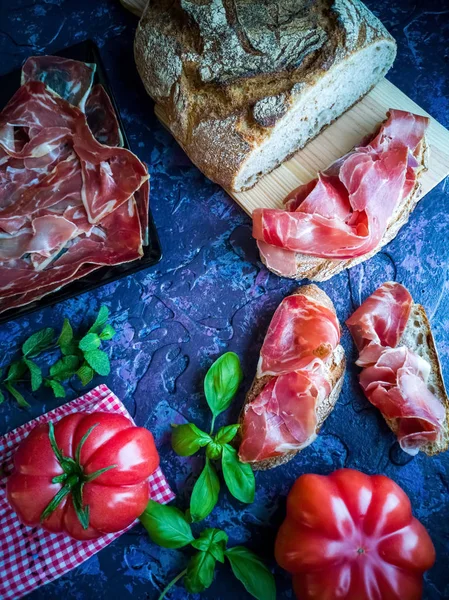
pixel 86 52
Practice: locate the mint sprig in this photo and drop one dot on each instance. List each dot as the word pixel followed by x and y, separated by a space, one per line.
pixel 220 386
pixel 81 357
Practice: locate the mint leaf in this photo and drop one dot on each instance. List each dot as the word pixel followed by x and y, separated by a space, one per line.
pixel 166 525
pixel 251 571
pixel 58 389
pixel 238 476
pixel 200 572
pixel 222 381
pixel 35 373
pixel 66 341
pixel 226 434
pixel 101 320
pixel 17 395
pixel 107 333
pixel 213 541
pixel 205 493
pixel 65 367
pixel 99 361
pixel 16 370
pixel 38 342
pixel 90 341
pixel 188 438
pixel 85 373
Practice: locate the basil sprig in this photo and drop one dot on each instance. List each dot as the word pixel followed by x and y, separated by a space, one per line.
pixel 220 386
pixel 78 357
pixel 168 527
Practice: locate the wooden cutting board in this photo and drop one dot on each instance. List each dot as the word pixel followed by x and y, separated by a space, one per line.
pixel 335 141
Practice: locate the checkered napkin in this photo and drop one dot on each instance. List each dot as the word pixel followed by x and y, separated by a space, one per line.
pixel 30 557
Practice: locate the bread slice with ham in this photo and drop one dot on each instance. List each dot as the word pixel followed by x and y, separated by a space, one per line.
pixel 401 372
pixel 298 381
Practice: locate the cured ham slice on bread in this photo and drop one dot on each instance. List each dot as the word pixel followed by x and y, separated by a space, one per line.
pixel 298 381
pixel 71 199
pixel 401 373
pixel 352 209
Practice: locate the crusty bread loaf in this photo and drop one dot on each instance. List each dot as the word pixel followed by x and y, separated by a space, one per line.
pixel 418 337
pixel 321 269
pixel 243 85
pixel 335 371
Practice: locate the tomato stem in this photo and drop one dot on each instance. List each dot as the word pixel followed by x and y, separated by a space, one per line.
pixel 172 583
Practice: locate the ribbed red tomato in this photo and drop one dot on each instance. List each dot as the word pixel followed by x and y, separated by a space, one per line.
pixel 87 475
pixel 350 536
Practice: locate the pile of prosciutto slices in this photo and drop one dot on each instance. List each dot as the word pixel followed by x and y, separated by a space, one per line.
pixel 71 199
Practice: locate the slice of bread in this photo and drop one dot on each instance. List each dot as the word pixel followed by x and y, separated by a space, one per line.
pixel 335 371
pixel 321 269
pixel 418 337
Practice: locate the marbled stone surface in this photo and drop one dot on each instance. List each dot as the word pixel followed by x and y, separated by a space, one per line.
pixel 210 294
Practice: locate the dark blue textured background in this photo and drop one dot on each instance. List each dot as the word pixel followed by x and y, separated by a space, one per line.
pixel 210 293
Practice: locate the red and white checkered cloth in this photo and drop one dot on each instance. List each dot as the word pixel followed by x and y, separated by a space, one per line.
pixel 30 557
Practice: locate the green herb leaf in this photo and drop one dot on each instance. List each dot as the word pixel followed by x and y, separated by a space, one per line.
pixel 226 434
pixel 16 370
pixel 65 340
pixel 205 493
pixel 222 381
pixel 107 333
pixel 214 450
pixel 38 342
pixel 99 361
pixel 58 389
pixel 200 572
pixel 35 373
pixel 188 438
pixel 166 525
pixel 2 397
pixel 101 320
pixel 17 395
pixel 65 367
pixel 251 571
pixel 85 373
pixel 213 541
pixel 90 341
pixel 238 476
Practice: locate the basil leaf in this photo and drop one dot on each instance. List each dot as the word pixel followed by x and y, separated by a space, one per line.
pixel 65 339
pixel 213 541
pixel 90 341
pixel 16 370
pixel 205 493
pixel 100 321
pixel 38 342
pixel 65 367
pixel 238 476
pixel 200 572
pixel 17 395
pixel 166 525
pixel 107 333
pixel 85 373
pixel 99 361
pixel 188 438
pixel 251 571
pixel 222 381
pixel 226 434
pixel 58 389
pixel 35 373
pixel 214 450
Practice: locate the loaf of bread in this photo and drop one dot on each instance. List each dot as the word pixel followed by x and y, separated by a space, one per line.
pixel 243 84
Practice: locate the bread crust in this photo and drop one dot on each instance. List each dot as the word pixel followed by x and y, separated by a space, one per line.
pixel 224 72
pixel 336 370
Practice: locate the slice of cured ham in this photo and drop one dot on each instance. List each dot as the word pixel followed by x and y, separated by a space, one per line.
pixel 292 379
pixel 68 203
pixel 344 213
pixel 394 378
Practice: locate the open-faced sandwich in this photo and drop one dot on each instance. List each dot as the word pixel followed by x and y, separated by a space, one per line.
pixel 401 372
pixel 298 381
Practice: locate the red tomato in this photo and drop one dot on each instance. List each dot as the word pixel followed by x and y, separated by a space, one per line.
pixel 351 536
pixel 98 465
